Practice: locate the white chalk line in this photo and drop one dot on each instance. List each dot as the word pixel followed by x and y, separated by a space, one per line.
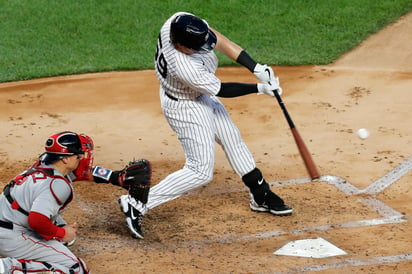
pixel 391 177
pixel 349 189
pixel 389 216
pixel 350 262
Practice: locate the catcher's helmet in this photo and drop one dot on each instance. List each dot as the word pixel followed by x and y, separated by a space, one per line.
pixel 61 145
pixel 192 32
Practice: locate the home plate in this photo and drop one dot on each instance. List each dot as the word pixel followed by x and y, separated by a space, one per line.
pixel 313 248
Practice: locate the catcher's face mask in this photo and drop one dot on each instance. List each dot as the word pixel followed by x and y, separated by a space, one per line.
pixel 84 170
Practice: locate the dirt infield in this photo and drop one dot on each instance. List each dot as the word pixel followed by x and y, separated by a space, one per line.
pixel 362 203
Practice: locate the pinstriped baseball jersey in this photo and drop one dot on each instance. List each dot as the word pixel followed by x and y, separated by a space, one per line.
pixel 184 76
pixel 188 87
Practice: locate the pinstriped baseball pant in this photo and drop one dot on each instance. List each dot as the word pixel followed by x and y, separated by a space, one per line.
pixel 198 124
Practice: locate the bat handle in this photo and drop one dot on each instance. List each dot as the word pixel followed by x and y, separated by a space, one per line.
pixel 285 111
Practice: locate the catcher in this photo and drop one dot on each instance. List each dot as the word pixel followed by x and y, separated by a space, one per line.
pixel 34 237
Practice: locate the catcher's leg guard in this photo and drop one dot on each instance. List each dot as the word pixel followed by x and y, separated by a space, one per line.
pixel 79 267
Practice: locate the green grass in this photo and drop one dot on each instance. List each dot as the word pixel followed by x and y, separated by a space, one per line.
pixel 41 38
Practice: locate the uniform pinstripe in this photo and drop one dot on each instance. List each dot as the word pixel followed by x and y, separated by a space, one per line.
pixel 189 88
pixel 198 118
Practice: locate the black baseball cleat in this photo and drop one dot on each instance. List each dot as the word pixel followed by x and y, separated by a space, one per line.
pixel 282 210
pixel 278 210
pixel 133 217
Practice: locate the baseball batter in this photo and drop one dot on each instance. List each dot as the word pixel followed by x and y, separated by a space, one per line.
pixel 185 65
pixel 34 238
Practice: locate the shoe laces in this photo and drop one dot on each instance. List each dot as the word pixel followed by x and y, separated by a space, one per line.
pixel 139 216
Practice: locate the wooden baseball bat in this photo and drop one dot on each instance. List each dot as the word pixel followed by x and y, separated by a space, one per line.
pixel 303 150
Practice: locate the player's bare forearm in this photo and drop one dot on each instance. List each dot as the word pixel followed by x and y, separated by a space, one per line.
pixel 226 46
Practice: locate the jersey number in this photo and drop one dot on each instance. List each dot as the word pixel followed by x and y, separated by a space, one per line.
pixel 161 64
pixel 20 179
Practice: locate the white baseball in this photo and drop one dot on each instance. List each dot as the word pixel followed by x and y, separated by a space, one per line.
pixel 363 133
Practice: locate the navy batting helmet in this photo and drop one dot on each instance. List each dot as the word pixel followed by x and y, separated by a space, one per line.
pixel 192 32
pixel 61 145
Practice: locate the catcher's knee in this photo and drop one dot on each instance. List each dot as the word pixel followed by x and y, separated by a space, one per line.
pixel 79 267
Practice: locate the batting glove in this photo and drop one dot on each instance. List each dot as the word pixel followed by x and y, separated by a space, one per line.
pixel 270 88
pixel 264 73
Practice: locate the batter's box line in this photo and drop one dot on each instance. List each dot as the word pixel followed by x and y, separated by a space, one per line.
pixel 389 215
pixel 378 260
pixel 340 183
pixel 349 189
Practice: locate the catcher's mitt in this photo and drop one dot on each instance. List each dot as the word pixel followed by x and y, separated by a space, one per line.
pixel 136 177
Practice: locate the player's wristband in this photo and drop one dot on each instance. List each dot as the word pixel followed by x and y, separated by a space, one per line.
pixel 101 174
pixel 245 60
pixel 60 233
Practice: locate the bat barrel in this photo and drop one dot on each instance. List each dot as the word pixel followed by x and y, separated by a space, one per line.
pixel 303 150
